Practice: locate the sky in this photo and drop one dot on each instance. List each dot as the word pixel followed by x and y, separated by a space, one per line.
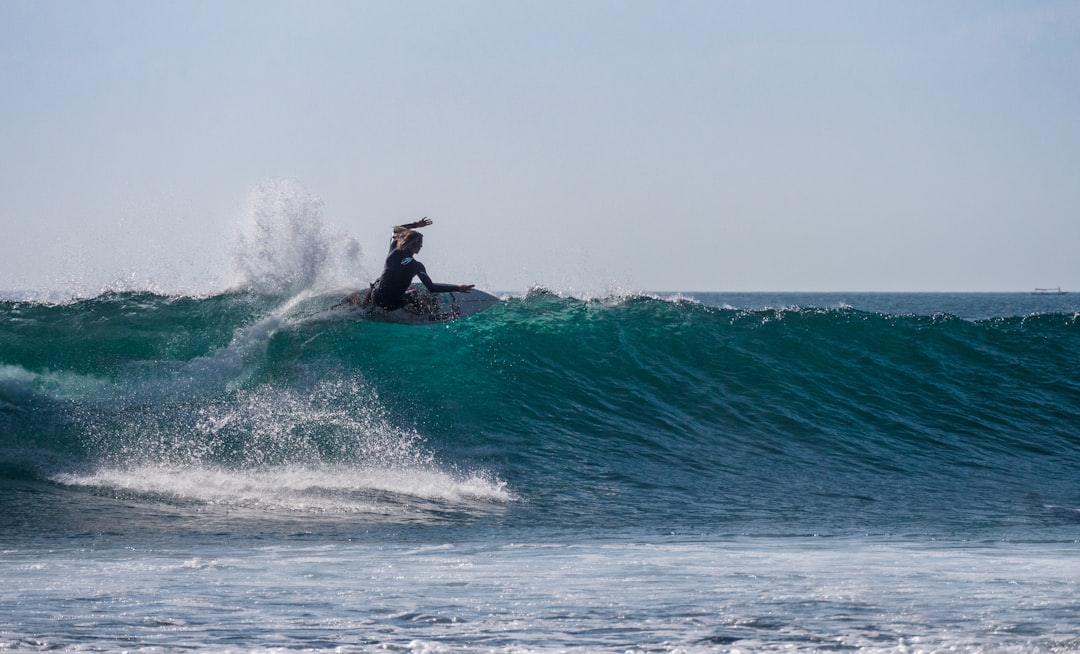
pixel 621 145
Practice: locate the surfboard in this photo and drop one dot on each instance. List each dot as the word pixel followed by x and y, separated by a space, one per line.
pixel 424 307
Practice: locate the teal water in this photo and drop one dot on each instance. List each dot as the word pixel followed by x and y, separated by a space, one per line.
pixel 694 472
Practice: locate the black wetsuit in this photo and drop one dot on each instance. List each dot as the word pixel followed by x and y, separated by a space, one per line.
pixel 398 273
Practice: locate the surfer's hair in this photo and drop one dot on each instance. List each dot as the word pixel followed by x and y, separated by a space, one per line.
pixel 406 238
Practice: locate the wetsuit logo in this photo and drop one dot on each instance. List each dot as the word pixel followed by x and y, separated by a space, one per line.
pixel 406 261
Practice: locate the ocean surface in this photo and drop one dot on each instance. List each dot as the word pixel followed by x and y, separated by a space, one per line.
pixel 696 472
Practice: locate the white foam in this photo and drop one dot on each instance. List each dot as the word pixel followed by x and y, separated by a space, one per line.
pixel 333 489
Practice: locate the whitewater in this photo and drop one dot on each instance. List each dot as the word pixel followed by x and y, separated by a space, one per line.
pixel 245 470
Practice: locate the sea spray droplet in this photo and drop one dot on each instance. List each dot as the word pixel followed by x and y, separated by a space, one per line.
pixel 282 246
pixel 328 448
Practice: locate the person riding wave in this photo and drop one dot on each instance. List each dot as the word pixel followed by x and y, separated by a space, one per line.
pixel 401 266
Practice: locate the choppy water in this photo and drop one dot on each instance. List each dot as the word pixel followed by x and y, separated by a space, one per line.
pixel 709 472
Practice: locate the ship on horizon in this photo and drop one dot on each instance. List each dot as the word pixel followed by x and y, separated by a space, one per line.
pixel 1049 291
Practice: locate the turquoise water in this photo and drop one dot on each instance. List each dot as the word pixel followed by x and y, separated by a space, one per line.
pixel 694 472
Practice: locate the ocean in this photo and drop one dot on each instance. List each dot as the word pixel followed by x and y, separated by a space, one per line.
pixel 699 472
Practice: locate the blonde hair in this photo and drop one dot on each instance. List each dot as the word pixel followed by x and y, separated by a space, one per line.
pixel 406 238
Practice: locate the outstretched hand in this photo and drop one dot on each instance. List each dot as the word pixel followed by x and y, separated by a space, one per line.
pixel 465 288
pixel 423 222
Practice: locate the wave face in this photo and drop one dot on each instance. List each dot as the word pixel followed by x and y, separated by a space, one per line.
pixel 613 413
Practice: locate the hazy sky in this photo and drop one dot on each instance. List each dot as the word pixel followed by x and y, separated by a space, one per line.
pixel 668 145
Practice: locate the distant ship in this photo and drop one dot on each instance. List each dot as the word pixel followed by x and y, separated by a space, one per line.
pixel 1049 291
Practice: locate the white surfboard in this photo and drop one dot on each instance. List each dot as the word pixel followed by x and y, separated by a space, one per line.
pixel 424 307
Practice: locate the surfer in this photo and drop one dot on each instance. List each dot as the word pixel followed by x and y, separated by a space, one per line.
pixel 401 266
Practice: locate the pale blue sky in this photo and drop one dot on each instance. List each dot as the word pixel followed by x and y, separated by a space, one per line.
pixel 624 145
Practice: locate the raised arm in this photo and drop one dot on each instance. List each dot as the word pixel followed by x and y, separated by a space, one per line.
pixel 423 222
